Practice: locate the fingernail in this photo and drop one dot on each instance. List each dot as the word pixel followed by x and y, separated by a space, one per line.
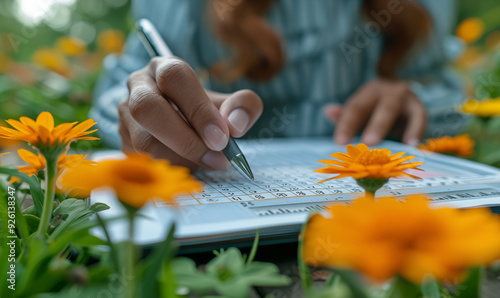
pixel 216 160
pixel 239 119
pixel 371 139
pixel 215 137
pixel 343 139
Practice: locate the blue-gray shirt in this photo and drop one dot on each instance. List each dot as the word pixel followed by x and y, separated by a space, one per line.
pixel 326 61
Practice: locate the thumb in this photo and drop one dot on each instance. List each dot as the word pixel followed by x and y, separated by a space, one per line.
pixel 240 110
pixel 333 111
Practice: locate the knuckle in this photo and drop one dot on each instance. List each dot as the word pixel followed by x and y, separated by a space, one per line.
pixel 139 101
pixel 190 148
pixel 200 110
pixel 145 143
pixel 172 71
pixel 133 78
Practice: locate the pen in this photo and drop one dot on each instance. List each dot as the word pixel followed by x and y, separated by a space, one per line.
pixel 155 46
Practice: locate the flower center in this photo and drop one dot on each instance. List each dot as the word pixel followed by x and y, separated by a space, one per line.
pixel 134 173
pixel 373 157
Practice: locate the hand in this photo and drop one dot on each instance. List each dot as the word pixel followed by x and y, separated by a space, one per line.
pixel 381 107
pixel 163 96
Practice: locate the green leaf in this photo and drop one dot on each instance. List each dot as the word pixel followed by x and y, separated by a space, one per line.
pixel 264 274
pixel 230 262
pixel 30 210
pixel 470 287
pixel 403 288
pixel 148 286
pixel 97 207
pixel 86 239
pixel 32 181
pixel 187 275
pixel 77 212
pixel 167 281
pixel 32 222
pixel 70 206
pixel 430 287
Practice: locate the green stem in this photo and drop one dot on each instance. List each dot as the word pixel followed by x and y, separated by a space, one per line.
pixel 304 273
pixel 22 200
pixel 50 179
pixel 130 260
pixel 114 255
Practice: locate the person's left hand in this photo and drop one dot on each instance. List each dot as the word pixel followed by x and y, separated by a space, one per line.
pixel 382 107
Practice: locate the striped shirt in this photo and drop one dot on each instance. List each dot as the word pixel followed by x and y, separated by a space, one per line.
pixel 331 50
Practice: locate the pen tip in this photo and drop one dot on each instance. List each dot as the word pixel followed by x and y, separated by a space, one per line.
pixel 241 164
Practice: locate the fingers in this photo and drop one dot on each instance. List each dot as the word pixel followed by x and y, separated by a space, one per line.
pixel 124 119
pixel 354 115
pixel 384 116
pixel 158 118
pixel 416 123
pixel 333 112
pixel 179 83
pixel 379 104
pixel 241 109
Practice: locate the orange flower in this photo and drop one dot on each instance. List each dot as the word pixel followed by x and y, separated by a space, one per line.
pixel 388 237
pixel 37 163
pixel 43 133
pixel 51 59
pixel 135 180
pixel 71 46
pixel 461 145
pixel 111 41
pixel 361 162
pixel 470 29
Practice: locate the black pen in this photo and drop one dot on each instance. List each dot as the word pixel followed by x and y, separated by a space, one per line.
pixel 155 46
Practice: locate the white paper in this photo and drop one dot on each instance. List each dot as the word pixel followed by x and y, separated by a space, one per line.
pixel 285 190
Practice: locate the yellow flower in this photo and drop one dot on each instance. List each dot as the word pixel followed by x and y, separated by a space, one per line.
pixel 470 29
pixel 388 237
pixel 71 46
pixel 361 162
pixel 483 108
pixel 461 145
pixel 42 132
pixel 135 180
pixel 51 59
pixel 38 163
pixel 111 41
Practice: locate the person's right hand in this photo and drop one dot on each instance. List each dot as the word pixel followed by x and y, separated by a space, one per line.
pixel 163 96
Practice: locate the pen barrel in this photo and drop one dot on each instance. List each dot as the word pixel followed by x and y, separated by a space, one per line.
pixel 231 149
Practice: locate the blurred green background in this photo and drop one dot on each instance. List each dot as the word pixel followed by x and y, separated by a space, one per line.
pixel 39 71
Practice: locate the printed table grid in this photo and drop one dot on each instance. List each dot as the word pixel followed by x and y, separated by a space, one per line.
pixel 273 183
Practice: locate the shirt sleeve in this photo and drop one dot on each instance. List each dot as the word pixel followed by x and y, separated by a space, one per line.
pixel 177 24
pixel 432 79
